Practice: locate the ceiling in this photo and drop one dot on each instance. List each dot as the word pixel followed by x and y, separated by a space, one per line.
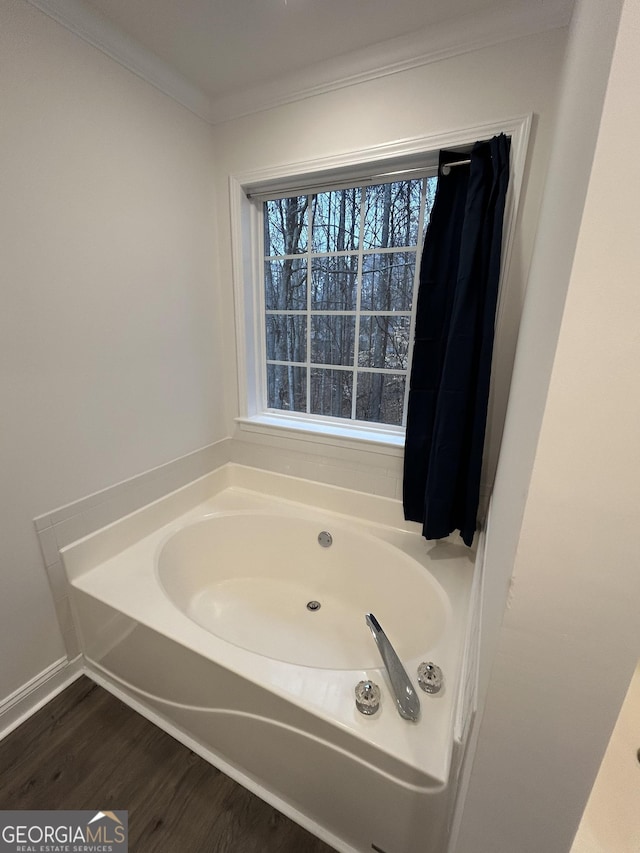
pixel 223 59
pixel 224 46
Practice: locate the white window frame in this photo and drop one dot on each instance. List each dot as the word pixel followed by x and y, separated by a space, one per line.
pixel 375 165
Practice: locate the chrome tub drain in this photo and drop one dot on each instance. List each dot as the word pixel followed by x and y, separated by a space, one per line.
pixel 313 605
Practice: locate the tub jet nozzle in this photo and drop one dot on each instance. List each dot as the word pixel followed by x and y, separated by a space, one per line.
pixel 325 539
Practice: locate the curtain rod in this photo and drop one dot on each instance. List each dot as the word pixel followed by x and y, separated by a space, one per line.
pixel 446 167
pixel 353 181
pixel 304 189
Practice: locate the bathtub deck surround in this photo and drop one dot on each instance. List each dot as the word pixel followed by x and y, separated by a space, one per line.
pixel 194 611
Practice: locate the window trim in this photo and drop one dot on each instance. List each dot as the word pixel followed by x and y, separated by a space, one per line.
pixel 246 193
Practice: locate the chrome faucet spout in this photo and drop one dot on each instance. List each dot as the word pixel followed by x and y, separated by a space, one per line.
pixel 407 701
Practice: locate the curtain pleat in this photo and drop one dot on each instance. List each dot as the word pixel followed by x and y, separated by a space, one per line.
pixel 453 345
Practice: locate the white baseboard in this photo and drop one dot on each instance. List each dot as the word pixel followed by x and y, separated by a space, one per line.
pixel 22 703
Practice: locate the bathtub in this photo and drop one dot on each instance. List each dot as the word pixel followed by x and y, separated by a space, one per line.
pixel 220 613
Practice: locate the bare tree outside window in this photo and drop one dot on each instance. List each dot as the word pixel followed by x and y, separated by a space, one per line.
pixel 339 280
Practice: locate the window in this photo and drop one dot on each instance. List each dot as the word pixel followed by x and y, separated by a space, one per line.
pixel 324 274
pixel 339 295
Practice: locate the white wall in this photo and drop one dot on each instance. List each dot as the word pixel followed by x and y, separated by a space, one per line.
pixel 499 82
pixel 582 88
pixel 570 636
pixel 109 355
pixel 113 359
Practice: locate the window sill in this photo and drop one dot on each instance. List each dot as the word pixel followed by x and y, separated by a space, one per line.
pixel 377 439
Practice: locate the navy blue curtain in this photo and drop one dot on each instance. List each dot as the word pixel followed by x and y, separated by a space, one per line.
pixel 451 365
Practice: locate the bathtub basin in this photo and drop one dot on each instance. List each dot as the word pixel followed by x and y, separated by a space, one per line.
pixel 247 577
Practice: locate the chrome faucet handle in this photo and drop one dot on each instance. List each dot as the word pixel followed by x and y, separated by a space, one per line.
pixel 367 697
pixel 430 677
pixel 407 701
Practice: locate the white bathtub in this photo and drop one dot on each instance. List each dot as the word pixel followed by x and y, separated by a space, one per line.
pixel 194 611
pixel 247 577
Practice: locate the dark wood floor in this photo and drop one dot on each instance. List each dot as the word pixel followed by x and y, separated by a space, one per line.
pixel 86 750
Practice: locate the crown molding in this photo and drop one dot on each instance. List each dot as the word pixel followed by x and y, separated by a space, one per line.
pixel 499 23
pixel 93 28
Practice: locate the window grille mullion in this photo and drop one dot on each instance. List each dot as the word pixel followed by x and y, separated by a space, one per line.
pixel 333 312
pixel 309 285
pixel 342 253
pixel 345 368
pixel 356 342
